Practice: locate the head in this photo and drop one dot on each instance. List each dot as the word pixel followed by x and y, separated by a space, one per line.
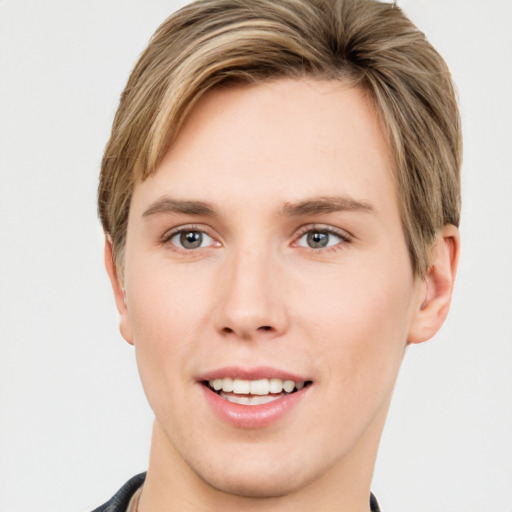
pixel 368 44
pixel 280 196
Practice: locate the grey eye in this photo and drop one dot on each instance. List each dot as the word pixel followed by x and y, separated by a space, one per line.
pixel 316 239
pixel 191 239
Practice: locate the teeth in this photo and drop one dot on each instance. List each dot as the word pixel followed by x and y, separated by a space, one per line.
pixel 288 385
pixel 261 387
pixel 227 384
pixel 250 399
pixel 276 385
pixel 241 387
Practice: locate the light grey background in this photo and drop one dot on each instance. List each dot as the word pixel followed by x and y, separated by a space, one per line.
pixel 74 423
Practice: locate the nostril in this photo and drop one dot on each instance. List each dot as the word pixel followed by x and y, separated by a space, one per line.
pixel 229 330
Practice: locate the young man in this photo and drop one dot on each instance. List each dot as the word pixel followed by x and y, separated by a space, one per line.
pixel 280 196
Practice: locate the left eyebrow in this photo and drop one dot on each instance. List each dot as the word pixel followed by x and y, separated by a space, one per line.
pixel 325 204
pixel 170 205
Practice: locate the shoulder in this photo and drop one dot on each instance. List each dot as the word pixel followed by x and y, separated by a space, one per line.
pixel 121 498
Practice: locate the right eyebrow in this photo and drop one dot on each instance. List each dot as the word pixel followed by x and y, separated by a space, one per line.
pixel 324 205
pixel 170 205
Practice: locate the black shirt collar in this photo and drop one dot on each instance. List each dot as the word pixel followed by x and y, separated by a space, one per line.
pixel 120 500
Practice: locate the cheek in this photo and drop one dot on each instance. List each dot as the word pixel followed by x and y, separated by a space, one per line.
pixel 361 322
pixel 166 312
pixel 165 302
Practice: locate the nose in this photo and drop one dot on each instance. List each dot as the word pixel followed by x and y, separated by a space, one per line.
pixel 251 296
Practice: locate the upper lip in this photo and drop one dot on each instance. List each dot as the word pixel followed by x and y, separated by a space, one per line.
pixel 255 373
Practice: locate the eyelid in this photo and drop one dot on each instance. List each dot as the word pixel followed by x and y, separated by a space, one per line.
pixel 170 233
pixel 342 233
pixel 344 240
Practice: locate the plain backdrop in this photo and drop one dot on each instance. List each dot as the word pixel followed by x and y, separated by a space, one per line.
pixel 74 423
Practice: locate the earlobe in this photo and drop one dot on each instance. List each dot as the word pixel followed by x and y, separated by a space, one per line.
pixel 119 294
pixel 437 286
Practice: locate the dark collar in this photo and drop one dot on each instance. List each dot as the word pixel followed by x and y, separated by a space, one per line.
pixel 119 502
pixel 374 506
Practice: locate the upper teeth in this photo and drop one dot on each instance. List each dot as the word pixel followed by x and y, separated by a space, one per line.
pixel 255 387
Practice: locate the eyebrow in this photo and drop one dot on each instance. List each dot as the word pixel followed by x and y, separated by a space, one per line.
pixel 315 206
pixel 168 205
pixel 325 204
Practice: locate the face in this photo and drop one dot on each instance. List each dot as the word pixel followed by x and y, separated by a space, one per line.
pixel 268 289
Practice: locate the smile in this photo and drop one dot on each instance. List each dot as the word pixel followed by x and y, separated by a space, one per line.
pixel 253 398
pixel 254 392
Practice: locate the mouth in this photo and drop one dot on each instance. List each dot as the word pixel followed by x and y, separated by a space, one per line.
pixel 253 398
pixel 254 392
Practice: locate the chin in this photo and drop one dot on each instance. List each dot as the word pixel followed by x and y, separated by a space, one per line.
pixel 257 485
pixel 265 475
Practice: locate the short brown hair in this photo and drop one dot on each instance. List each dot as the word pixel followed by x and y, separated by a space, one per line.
pixel 373 44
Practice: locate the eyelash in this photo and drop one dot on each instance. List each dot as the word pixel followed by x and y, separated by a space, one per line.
pixel 169 235
pixel 344 237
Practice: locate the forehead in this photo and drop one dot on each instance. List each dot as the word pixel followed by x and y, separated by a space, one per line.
pixel 286 139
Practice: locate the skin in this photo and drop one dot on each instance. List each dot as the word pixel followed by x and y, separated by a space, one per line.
pixel 256 294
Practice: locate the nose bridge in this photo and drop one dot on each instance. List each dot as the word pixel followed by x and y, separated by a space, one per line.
pixel 250 300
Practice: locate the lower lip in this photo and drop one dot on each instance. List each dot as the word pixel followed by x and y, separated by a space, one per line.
pixel 253 416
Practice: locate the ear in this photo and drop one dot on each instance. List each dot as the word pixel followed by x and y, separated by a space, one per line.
pixel 437 287
pixel 119 293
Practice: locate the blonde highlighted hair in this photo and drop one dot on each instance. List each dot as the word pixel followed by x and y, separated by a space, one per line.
pixel 210 43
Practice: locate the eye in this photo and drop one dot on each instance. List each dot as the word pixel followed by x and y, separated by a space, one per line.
pixel 191 239
pixel 320 239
